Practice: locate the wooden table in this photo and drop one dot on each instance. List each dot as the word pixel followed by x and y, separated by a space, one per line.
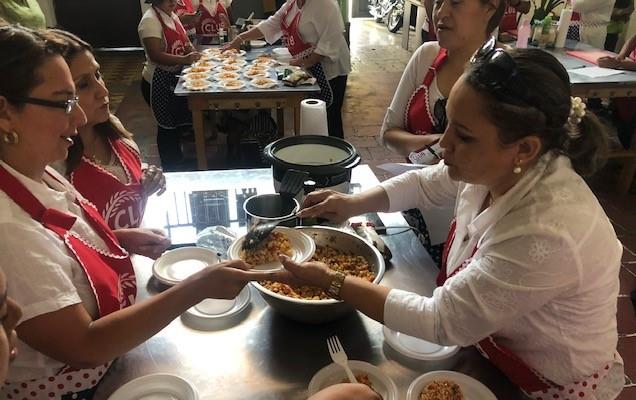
pixel 248 97
pixel 259 354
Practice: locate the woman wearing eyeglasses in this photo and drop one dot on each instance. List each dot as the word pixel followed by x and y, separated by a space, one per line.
pixel 416 117
pixel 68 270
pixel 104 163
pixel 530 271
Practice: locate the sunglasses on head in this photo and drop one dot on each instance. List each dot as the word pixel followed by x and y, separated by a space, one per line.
pixel 495 69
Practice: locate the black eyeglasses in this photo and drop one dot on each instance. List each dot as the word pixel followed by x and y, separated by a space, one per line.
pixel 495 69
pixel 66 105
pixel 439 112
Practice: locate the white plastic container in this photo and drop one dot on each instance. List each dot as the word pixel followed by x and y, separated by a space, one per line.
pixel 564 25
pixel 523 33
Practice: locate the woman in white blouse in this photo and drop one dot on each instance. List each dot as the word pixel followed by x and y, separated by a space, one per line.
pixel 590 20
pixel 71 274
pixel 530 272
pixel 313 31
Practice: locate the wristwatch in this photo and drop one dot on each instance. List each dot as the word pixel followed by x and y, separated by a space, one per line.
pixel 336 285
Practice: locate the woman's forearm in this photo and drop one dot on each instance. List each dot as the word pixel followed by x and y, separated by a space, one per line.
pixel 403 142
pixel 310 60
pixel 252 34
pixel 365 296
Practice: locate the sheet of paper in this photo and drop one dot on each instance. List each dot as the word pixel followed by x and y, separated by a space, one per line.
pixel 596 72
pixel 400 168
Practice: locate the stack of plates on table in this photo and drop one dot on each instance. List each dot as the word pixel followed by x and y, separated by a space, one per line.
pixel 333 374
pixel 418 349
pixel 470 387
pixel 302 247
pixel 156 387
pixel 212 314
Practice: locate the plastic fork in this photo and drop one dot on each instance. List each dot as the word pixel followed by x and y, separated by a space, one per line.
pixel 339 356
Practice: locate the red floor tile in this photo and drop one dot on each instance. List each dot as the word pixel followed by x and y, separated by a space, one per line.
pixel 628 281
pixel 626 318
pixel 627 350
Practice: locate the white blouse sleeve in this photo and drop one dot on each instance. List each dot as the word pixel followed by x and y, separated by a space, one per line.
pixel 411 79
pixel 35 272
pixel 516 277
pixel 428 188
pixel 270 28
pixel 330 28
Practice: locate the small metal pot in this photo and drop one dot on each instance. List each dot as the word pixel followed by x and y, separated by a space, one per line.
pixel 270 207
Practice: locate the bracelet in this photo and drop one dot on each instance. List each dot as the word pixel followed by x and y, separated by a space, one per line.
pixel 336 286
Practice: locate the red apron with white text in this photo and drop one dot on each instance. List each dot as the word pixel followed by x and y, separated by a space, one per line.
pixel 299 50
pixel 210 23
pixel 528 379
pixel 418 116
pixel 110 274
pixel 169 110
pixel 186 7
pixel 121 204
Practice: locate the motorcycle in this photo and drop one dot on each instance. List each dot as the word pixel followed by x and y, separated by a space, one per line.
pixel 391 11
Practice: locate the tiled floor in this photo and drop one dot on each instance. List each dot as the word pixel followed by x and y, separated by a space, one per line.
pixel 378 61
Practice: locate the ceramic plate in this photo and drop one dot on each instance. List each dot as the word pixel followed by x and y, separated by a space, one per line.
pixel 198 84
pixel 231 84
pixel 206 314
pixel 471 388
pixel 303 248
pixel 417 348
pixel 263 83
pixel 176 265
pixel 156 387
pixel 258 43
pixel 333 374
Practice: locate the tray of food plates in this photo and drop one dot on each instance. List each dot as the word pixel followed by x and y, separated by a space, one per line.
pixel 258 70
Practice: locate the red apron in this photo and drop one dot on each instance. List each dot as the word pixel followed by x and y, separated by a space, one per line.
pixel 508 20
pixel 528 379
pixel 185 7
pixel 176 39
pixel 121 204
pixel 110 274
pixel 210 23
pixel 418 116
pixel 299 50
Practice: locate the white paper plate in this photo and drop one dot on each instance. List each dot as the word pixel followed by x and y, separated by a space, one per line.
pixel 282 68
pixel 303 248
pixel 258 43
pixel 270 83
pixel 201 84
pixel 235 76
pixel 333 374
pixel 234 61
pixel 178 264
pixel 228 68
pixel 196 69
pixel 255 73
pixel 471 388
pixel 225 84
pixel 207 313
pixel 192 76
pixel 156 387
pixel 205 64
pixel 212 51
pixel 418 349
pixel 282 52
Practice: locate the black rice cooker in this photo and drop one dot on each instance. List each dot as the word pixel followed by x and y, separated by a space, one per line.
pixel 327 160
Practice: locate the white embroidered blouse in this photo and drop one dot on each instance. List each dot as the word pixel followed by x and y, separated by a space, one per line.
pixel 544 278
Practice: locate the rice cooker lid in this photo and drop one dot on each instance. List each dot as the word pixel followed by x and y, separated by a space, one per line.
pixel 312 153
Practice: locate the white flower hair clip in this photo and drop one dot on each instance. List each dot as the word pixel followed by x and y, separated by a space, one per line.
pixel 577 111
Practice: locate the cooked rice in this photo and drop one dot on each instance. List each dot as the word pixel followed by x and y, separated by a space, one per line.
pixel 268 251
pixel 442 390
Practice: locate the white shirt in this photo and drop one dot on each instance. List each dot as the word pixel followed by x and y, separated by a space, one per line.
pixel 43 274
pixel 544 280
pixel 412 78
pixel 437 220
pixel 150 27
pixel 321 25
pixel 595 15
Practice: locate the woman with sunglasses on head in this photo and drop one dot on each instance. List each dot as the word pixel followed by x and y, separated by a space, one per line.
pixel 104 163
pixel 68 270
pixel 530 271
pixel 168 49
pixel 416 117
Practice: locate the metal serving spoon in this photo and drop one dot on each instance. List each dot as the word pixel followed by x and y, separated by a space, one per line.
pixel 260 232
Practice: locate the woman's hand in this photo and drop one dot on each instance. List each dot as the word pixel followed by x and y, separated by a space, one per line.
pixel 234 44
pixel 191 57
pixel 609 62
pixel 334 206
pixel 146 242
pixel 310 273
pixel 153 181
pixel 226 280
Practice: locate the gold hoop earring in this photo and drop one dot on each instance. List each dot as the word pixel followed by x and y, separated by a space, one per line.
pixel 517 169
pixel 10 137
